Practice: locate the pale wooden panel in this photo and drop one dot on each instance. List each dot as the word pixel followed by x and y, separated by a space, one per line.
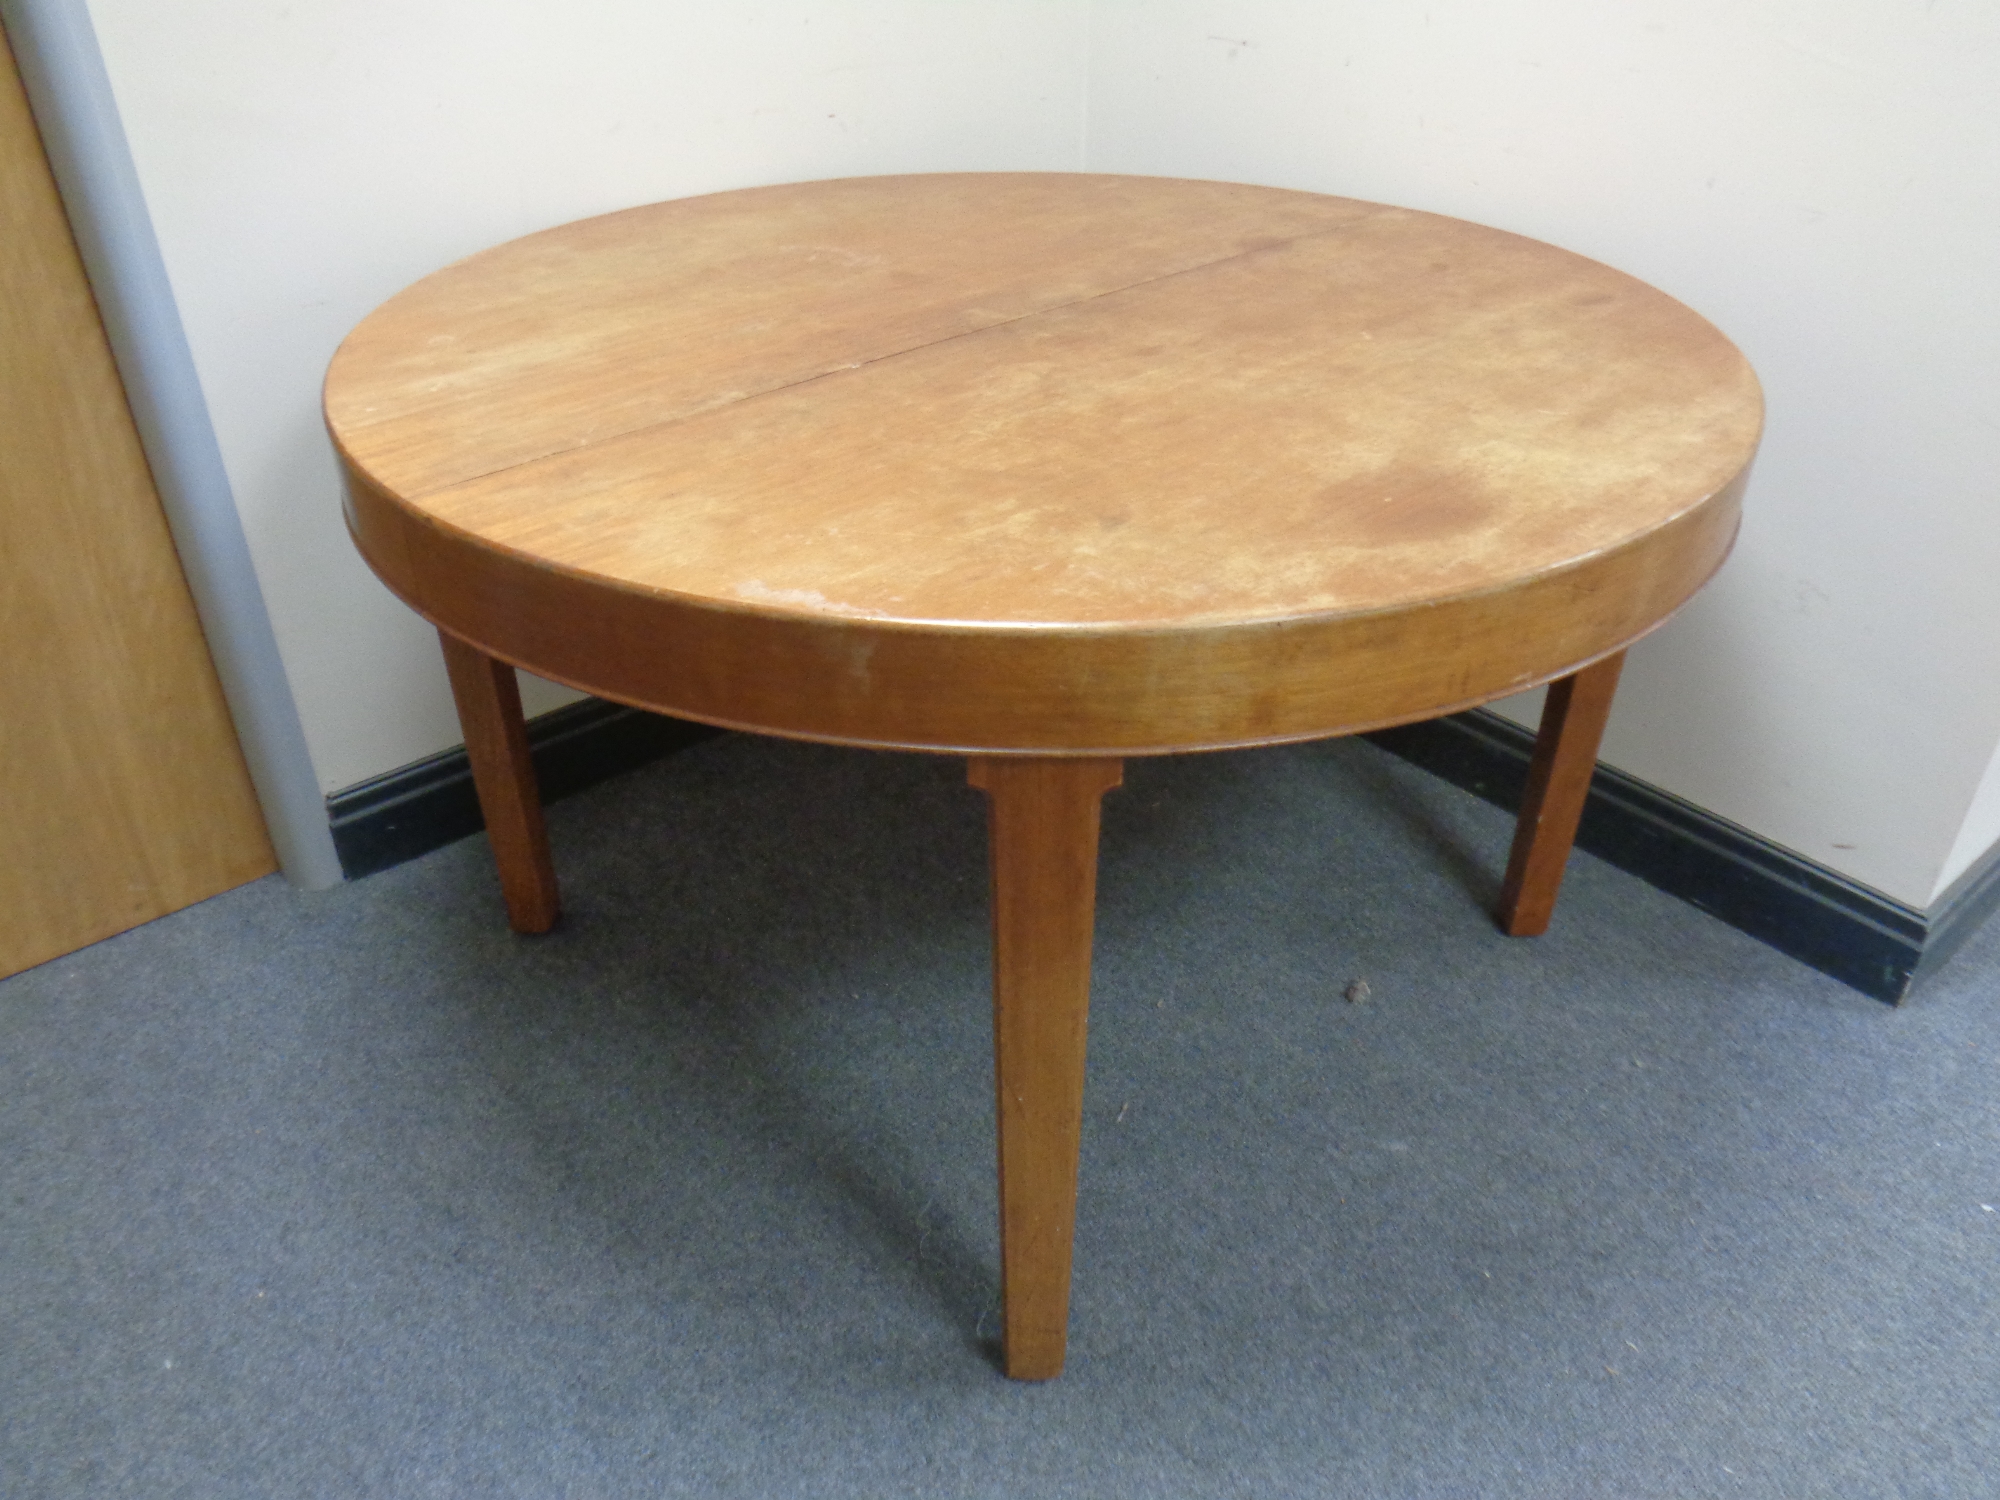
pixel 123 795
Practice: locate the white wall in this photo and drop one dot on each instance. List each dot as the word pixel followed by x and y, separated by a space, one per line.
pixel 1981 830
pixel 1819 177
pixel 303 162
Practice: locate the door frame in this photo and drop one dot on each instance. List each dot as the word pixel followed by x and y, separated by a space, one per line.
pixel 70 94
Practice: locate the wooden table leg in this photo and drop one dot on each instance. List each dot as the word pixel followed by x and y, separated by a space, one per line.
pixel 1558 781
pixel 1043 817
pixel 496 741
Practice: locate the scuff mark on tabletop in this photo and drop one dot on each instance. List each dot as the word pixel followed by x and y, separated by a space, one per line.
pixel 756 591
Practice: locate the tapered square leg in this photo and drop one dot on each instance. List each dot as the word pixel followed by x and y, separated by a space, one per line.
pixel 1043 819
pixel 1573 722
pixel 496 741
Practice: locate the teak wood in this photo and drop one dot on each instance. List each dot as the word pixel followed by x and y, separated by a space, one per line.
pixel 1573 719
pixel 1048 470
pixel 488 696
pixel 1043 822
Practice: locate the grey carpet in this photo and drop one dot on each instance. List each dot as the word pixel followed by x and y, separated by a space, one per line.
pixel 355 1194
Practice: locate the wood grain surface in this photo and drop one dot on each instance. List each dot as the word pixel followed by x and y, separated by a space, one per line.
pixel 488 698
pixel 1041 463
pixel 1043 820
pixel 1573 718
pixel 122 791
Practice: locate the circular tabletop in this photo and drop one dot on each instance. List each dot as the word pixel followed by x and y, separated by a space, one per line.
pixel 1040 463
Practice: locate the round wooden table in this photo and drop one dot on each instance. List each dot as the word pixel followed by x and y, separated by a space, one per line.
pixel 1046 470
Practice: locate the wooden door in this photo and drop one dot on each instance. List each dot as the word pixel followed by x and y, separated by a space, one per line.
pixel 123 795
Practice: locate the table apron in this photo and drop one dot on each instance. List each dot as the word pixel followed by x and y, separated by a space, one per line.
pixel 1026 690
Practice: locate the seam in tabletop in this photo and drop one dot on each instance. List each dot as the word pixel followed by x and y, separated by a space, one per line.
pixel 935 343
